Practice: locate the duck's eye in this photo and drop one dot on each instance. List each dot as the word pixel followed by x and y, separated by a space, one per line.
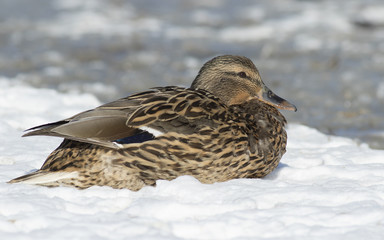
pixel 242 74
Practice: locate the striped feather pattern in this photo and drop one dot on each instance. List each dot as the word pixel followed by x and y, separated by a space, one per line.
pixel 199 132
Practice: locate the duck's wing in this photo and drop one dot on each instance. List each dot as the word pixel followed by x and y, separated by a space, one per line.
pixel 139 117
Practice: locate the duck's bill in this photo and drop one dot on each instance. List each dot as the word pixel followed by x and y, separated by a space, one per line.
pixel 272 99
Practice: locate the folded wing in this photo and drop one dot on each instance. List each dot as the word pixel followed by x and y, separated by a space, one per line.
pixel 137 118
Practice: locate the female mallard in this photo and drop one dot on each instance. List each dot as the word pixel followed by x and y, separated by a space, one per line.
pixel 225 126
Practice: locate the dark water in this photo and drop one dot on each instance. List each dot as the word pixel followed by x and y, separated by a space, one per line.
pixel 327 57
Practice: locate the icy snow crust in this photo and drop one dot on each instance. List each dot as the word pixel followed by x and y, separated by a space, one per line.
pixel 325 187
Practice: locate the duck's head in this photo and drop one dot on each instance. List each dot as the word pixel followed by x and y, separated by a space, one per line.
pixel 235 80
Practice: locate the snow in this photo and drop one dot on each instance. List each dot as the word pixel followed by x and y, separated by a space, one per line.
pixel 373 14
pixel 326 187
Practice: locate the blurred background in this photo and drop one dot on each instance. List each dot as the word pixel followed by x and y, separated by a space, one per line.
pixel 327 57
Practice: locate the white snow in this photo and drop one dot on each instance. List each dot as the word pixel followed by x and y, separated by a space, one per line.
pixel 373 14
pixel 325 187
pixel 92 17
pixel 79 18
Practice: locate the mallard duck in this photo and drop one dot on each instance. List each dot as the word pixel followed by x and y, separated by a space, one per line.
pixel 224 126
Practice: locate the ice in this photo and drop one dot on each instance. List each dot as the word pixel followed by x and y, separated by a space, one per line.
pixel 326 187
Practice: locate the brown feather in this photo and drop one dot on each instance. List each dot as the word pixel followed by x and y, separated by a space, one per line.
pixel 217 130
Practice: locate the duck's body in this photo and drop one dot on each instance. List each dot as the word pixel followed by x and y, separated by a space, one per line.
pixel 168 132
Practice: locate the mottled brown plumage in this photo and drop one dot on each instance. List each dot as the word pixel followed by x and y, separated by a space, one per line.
pixel 225 126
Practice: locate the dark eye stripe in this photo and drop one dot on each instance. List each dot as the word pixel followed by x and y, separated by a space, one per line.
pixel 240 74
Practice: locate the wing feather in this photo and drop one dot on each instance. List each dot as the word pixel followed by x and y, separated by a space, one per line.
pixel 168 109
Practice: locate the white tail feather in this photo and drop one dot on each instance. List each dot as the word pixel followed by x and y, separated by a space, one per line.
pixel 45 177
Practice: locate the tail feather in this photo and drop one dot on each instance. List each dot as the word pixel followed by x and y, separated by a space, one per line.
pixel 44 129
pixel 44 177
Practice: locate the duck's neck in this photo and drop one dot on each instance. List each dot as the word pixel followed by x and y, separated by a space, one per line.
pixel 260 111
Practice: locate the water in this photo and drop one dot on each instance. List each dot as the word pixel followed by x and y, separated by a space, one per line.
pixel 326 57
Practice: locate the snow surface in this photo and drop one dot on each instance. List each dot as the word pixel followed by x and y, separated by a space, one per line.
pixel 326 187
